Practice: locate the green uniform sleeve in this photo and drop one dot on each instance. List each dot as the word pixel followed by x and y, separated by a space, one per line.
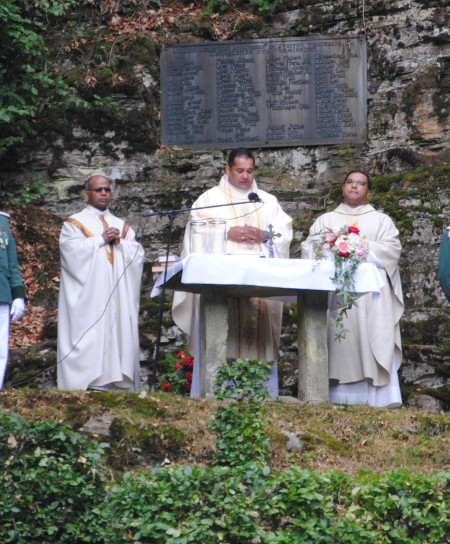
pixel 11 285
pixel 444 263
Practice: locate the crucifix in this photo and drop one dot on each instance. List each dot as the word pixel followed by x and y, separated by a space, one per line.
pixel 269 235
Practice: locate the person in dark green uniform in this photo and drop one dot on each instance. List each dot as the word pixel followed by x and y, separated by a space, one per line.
pixel 444 263
pixel 12 291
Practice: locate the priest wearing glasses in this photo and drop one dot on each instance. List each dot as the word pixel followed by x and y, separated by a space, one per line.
pixel 101 269
pixel 363 366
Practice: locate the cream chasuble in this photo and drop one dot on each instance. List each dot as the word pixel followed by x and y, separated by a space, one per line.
pixel 98 343
pixel 254 324
pixel 372 349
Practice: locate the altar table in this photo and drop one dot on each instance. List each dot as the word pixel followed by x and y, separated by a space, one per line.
pixel 307 282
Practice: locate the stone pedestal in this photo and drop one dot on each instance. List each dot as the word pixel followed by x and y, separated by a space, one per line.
pixel 312 346
pixel 213 339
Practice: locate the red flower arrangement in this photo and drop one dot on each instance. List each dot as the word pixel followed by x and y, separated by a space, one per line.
pixel 178 380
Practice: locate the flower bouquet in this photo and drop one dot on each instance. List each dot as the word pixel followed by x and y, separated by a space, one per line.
pixel 347 248
pixel 179 378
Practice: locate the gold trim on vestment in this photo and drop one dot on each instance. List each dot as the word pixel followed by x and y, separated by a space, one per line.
pixel 88 234
pixel 83 229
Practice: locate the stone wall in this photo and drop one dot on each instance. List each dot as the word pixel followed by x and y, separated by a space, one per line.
pixel 407 153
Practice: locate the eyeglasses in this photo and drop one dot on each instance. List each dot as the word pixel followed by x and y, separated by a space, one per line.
pixel 357 181
pixel 100 189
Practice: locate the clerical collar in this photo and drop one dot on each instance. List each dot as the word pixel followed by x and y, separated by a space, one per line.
pixel 240 191
pixel 95 211
pixel 357 207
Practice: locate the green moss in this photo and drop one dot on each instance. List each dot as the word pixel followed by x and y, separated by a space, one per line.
pixel 412 353
pixel 19 378
pixel 440 393
pixel 175 436
pixel 155 444
pixel 145 342
pixel 319 440
pixel 426 332
pixel 34 365
pixel 444 350
pixel 138 407
pixel 417 177
pixel 76 415
pixel 148 325
pixel 438 222
pixel 382 184
pixel 441 369
pixel 148 305
pixel 428 209
pixel 45 345
pixel 197 27
pixel 442 175
pixel 105 77
pixel 303 223
pixel 73 78
pixel 250 25
pixel 143 50
pixel 405 226
pixel 277 440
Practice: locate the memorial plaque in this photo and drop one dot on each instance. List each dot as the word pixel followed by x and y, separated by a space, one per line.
pixel 264 93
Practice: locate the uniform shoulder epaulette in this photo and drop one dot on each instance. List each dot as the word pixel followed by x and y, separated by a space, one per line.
pixel 5 214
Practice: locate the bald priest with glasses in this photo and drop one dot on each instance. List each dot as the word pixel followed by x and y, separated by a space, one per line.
pixel 101 269
pixel 363 366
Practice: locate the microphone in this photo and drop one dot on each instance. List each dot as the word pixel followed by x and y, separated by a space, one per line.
pixel 253 197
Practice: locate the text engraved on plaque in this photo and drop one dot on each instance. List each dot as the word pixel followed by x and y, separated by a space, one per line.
pixel 265 93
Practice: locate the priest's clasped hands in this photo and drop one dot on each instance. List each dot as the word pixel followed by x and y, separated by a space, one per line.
pixel 247 234
pixel 111 235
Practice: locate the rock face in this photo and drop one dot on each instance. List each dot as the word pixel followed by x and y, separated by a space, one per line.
pixel 407 153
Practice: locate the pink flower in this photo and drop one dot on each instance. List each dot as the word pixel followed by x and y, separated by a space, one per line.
pixel 355 230
pixel 326 247
pixel 343 246
pixel 329 236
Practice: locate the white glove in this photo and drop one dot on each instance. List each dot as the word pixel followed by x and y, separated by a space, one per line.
pixel 17 309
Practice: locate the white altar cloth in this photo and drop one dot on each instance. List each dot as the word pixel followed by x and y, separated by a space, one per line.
pixel 288 274
pixel 305 281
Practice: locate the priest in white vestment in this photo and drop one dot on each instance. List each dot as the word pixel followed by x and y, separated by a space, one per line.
pixel 101 269
pixel 254 324
pixel 363 366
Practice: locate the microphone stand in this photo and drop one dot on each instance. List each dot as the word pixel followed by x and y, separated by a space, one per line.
pixel 171 214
